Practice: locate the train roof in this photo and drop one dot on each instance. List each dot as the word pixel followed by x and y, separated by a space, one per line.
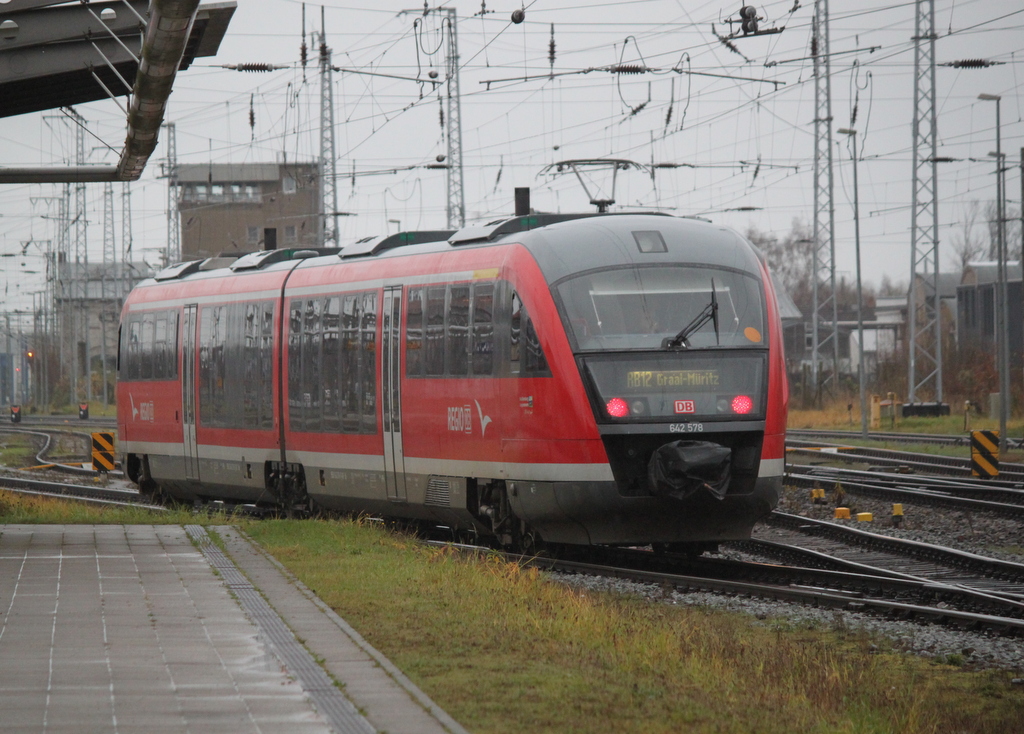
pixel 559 242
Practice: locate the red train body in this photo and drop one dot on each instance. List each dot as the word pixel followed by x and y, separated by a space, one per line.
pixel 529 379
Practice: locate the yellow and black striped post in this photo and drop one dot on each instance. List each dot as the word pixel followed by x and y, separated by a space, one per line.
pixel 103 452
pixel 985 454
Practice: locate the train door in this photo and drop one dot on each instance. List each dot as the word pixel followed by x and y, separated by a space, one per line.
pixel 188 392
pixel 390 381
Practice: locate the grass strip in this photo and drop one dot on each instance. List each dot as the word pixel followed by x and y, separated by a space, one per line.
pixel 503 649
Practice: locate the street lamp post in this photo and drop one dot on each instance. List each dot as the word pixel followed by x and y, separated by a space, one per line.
pixel 1002 330
pixel 860 293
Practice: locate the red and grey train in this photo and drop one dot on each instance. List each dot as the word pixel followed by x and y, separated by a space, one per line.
pixel 577 379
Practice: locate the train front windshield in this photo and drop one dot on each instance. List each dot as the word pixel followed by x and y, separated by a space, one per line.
pixel 641 307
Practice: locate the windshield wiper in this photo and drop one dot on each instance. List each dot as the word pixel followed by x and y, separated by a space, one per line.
pixel 710 313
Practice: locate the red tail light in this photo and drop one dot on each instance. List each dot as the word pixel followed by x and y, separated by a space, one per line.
pixel 742 404
pixel 617 408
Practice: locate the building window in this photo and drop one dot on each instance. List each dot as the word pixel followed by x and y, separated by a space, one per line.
pixel 252 235
pixel 289 235
pixel 288 185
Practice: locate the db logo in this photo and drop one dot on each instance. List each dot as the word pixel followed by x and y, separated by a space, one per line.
pixel 685 406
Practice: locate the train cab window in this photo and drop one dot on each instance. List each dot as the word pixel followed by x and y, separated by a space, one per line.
pixel 414 334
pixel 526 356
pixel 483 329
pixel 457 333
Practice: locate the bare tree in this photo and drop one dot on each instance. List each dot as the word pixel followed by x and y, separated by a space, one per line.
pixel 967 242
pixel 1013 231
pixel 791 259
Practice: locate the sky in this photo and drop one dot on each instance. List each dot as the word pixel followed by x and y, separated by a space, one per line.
pixel 737 125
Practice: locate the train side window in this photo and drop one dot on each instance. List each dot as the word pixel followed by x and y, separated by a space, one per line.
pixel 526 356
pixel 171 346
pixel 251 361
pixel 311 359
pixel 205 370
pixel 457 341
pixel 267 367
pixel 414 334
pixel 483 329
pixel 134 356
pixel 148 332
pixel 515 333
pixel 295 364
pixel 234 366
pixel 331 322
pixel 160 348
pixel 369 364
pixel 350 353
pixel 218 386
pixel 434 352
pixel 536 364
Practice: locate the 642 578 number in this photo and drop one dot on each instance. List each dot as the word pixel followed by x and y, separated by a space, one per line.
pixel 686 428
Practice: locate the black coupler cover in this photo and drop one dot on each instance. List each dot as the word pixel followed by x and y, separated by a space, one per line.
pixel 680 468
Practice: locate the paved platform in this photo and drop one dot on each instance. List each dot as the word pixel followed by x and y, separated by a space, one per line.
pixel 155 629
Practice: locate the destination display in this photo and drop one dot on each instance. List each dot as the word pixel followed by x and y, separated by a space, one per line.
pixel 696 379
pixel 679 386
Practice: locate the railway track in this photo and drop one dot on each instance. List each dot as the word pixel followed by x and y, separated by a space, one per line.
pixel 912 489
pixel 807 434
pixel 66 421
pixel 887 594
pixel 904 460
pixel 79 492
pixel 43 461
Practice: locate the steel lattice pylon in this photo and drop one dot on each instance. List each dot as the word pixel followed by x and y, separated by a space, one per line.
pixel 456 208
pixel 109 242
pixel 328 177
pixel 173 254
pixel 924 330
pixel 824 342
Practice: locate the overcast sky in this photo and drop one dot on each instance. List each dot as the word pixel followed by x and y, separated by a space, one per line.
pixel 748 136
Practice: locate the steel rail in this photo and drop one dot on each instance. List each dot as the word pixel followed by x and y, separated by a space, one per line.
pixel 982 565
pixel 836 599
pixel 849 484
pixel 898 437
pixel 928 463
pixel 1011 493
pixel 77 492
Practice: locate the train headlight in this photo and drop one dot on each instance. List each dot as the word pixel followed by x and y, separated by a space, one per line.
pixel 742 404
pixel 617 408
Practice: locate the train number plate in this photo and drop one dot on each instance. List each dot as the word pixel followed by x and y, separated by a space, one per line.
pixel 686 428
